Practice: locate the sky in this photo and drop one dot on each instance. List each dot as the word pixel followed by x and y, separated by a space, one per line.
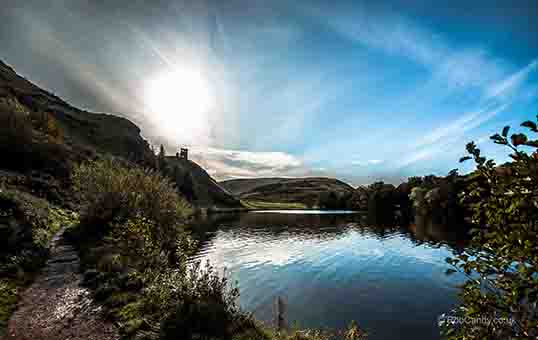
pixel 358 90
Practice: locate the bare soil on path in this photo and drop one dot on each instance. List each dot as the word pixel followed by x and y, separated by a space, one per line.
pixel 56 306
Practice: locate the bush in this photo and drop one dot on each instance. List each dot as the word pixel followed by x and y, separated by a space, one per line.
pixel 502 262
pixel 25 148
pixel 15 135
pixel 112 191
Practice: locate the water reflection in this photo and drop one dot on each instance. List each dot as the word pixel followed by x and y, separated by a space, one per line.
pixel 373 268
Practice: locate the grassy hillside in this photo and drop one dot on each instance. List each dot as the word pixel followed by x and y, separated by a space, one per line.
pixel 196 184
pixel 81 133
pixel 304 191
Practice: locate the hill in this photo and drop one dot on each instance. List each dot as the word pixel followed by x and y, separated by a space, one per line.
pixel 306 191
pixel 196 184
pixel 42 136
pixel 79 133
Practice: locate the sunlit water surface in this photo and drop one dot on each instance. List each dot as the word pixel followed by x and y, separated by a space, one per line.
pixel 333 268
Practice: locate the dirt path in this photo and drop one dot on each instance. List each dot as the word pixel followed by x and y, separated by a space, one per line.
pixel 56 307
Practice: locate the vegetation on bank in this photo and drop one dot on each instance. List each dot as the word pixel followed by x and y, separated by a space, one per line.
pixel 501 293
pixel 27 224
pixel 135 248
pixel 261 205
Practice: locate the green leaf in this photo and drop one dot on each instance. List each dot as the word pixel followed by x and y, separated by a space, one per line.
pixel 519 139
pixel 450 271
pixel 533 143
pixel 531 125
pixel 463 159
pixel 505 131
pixel 496 137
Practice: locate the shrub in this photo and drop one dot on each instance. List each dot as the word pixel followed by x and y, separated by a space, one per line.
pixel 113 192
pixel 15 134
pixel 502 261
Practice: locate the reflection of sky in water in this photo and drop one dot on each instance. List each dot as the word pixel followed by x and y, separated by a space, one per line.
pixel 331 274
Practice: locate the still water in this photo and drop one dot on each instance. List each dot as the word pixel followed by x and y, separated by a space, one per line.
pixel 331 268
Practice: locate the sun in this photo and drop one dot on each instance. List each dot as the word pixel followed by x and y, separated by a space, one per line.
pixel 179 101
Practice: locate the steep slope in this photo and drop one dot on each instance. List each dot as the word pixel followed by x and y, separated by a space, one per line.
pixel 83 134
pixel 43 135
pixel 289 190
pixel 196 184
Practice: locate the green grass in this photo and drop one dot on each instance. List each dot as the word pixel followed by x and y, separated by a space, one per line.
pixel 20 262
pixel 8 302
pixel 261 205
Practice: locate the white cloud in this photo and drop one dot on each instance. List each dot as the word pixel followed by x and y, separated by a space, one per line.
pixel 228 164
pixel 368 162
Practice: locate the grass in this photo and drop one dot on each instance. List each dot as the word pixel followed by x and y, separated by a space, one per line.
pixel 8 302
pixel 21 258
pixel 261 205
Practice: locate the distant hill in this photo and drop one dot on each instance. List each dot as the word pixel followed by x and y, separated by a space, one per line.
pixel 196 184
pixel 286 190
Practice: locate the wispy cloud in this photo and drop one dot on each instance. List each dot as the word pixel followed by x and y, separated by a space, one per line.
pixel 461 125
pixel 506 87
pixel 397 35
pixel 498 98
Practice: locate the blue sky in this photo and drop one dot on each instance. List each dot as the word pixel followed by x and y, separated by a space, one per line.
pixel 353 90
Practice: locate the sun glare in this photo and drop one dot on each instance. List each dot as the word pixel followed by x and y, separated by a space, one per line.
pixel 179 102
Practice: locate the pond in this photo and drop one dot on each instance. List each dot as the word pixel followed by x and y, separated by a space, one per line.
pixel 330 268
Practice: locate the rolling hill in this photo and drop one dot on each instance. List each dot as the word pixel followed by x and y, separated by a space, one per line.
pixel 286 190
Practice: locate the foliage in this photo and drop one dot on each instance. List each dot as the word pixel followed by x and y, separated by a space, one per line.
pixel 30 223
pixel 46 123
pixel 148 286
pixel 161 159
pixel 25 146
pixel 352 332
pixel 8 302
pixel 502 262
pixel 114 192
pixel 334 200
pixel 15 133
pixel 141 257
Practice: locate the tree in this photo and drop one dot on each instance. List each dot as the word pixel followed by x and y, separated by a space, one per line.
pixel 501 264
pixel 187 188
pixel 329 200
pixel 161 160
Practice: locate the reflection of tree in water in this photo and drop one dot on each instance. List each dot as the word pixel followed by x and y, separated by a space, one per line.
pixel 379 222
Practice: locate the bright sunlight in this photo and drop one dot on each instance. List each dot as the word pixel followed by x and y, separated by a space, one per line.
pixel 180 100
